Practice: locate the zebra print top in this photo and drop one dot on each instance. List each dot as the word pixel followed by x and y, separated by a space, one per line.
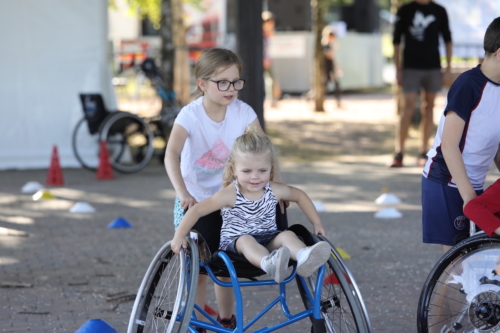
pixel 248 217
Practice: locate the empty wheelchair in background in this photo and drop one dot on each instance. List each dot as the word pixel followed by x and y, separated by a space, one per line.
pixel 462 292
pixel 165 301
pixel 129 138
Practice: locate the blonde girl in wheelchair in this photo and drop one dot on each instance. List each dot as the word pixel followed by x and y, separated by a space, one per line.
pixel 248 207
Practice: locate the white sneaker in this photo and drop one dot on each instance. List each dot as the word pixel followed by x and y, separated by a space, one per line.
pixel 276 263
pixel 313 258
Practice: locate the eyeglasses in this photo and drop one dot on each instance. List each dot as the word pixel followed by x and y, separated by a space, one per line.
pixel 223 85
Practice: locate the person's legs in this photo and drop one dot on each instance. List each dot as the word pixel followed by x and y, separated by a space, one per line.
pixel 251 250
pixel 309 258
pixel 201 293
pixel 426 124
pixel 338 92
pixel 274 263
pixel 225 300
pixel 288 239
pixel 209 227
pixel 403 125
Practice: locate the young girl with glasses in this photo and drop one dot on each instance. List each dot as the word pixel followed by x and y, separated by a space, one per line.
pixel 199 146
pixel 248 200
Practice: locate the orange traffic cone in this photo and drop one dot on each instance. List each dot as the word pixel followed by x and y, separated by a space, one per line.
pixel 104 171
pixel 54 175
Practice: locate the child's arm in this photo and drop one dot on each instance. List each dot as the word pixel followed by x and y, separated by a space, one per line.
pixel 224 198
pixel 290 193
pixel 452 133
pixel 173 152
pixel 497 159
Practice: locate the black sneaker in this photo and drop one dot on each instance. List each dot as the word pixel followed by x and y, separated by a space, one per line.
pixel 422 159
pixel 227 323
pixel 397 162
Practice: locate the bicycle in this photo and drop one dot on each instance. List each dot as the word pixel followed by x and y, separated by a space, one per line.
pixel 462 292
pixel 131 140
pixel 166 296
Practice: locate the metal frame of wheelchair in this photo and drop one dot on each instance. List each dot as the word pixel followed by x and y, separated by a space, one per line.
pixel 462 292
pixel 165 300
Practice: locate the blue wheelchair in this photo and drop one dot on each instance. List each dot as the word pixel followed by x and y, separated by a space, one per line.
pixel 165 301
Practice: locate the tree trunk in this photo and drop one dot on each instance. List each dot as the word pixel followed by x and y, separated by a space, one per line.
pixel 167 52
pixel 250 48
pixel 181 71
pixel 319 61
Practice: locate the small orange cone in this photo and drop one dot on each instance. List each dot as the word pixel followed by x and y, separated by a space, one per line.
pixel 104 171
pixel 54 175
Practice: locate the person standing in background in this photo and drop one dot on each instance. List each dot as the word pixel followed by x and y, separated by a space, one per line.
pixel 420 22
pixel 268 24
pixel 332 69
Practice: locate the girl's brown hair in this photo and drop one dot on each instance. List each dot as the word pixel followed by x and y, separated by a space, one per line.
pixel 252 142
pixel 213 60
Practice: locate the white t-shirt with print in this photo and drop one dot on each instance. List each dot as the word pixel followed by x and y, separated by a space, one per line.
pixel 208 144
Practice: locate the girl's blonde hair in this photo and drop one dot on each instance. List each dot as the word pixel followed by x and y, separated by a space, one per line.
pixel 252 142
pixel 213 60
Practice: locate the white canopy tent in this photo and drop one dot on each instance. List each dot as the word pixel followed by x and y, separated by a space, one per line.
pixel 51 51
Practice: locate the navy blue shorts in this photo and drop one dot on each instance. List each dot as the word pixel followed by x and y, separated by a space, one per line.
pixel 262 238
pixel 442 213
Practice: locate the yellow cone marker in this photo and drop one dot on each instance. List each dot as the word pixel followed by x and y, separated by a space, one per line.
pixel 342 253
pixel 43 195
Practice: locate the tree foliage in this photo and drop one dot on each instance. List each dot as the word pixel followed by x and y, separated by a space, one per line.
pixel 152 9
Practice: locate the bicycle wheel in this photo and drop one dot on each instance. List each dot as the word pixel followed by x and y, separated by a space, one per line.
pixel 129 140
pixel 462 292
pixel 165 299
pixel 342 306
pixel 85 145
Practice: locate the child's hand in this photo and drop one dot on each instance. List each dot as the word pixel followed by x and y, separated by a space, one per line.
pixel 319 230
pixel 177 243
pixel 187 201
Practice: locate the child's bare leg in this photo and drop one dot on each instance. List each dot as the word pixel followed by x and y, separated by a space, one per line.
pixel 274 264
pixel 225 299
pixel 201 293
pixel 288 239
pixel 253 251
pixel 309 258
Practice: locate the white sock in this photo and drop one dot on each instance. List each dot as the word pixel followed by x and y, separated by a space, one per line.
pixel 262 265
pixel 300 254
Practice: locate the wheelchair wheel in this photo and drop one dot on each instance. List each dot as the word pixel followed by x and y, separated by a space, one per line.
pixel 166 297
pixel 129 141
pixel 85 145
pixel 341 304
pixel 462 292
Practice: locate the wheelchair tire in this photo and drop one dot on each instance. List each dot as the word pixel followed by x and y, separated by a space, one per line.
pixel 85 146
pixel 462 292
pixel 129 141
pixel 343 308
pixel 168 290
